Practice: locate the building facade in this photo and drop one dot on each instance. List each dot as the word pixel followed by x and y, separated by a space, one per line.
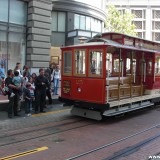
pixel 72 19
pixel 29 28
pixel 75 19
pixel 147 16
pixel 25 29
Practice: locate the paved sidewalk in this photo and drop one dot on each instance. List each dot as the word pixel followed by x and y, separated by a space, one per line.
pixel 49 109
pixel 4 101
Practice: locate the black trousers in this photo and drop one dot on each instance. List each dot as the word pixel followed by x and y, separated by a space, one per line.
pixel 13 105
pixel 48 93
pixel 40 100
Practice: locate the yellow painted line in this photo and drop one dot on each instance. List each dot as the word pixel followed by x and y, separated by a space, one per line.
pixel 24 153
pixel 52 112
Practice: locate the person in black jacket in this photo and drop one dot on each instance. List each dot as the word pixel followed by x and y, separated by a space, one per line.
pixel 48 92
pixel 41 84
pixel 13 95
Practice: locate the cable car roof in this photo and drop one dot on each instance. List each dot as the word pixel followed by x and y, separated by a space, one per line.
pixel 107 42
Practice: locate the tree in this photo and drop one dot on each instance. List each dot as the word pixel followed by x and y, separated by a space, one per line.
pixel 121 22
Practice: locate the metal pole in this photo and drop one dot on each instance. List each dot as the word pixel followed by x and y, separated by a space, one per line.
pixel 7 38
pixel 119 74
pixel 108 80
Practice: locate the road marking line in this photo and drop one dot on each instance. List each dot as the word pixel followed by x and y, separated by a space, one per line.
pixel 52 112
pixel 24 153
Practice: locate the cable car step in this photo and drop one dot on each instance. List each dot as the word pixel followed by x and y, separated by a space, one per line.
pixel 86 113
pixel 127 108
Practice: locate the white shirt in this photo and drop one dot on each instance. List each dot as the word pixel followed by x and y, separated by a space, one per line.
pixel 19 73
pixel 57 74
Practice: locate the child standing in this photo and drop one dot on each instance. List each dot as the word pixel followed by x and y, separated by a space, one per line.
pixel 32 93
pixel 28 99
pixel 16 79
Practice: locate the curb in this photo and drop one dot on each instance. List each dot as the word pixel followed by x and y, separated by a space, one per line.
pixel 3 104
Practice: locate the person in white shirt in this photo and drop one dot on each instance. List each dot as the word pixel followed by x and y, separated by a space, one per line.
pixel 56 77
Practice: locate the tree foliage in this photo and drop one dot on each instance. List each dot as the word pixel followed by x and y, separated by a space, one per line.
pixel 121 22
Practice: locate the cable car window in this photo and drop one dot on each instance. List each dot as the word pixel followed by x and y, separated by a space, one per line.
pixel 128 66
pixel 108 64
pixel 80 62
pixel 157 65
pixel 149 67
pixel 116 65
pixel 95 63
pixel 67 59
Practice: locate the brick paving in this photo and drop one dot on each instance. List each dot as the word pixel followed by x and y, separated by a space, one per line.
pixel 92 135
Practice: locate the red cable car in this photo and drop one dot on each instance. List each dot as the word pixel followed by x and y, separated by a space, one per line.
pixel 109 75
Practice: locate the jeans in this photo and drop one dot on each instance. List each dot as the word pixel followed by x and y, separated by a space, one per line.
pixel 28 105
pixel 56 85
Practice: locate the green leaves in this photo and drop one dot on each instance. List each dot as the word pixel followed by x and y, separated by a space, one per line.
pixel 120 21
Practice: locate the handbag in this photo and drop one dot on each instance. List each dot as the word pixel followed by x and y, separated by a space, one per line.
pixel 4 90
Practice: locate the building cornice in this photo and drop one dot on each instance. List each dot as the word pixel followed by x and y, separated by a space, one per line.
pixel 79 8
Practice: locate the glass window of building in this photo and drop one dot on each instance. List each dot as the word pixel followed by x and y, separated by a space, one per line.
pixel 61 21
pixel 17 15
pixel 4 10
pixel 54 21
pixel 58 21
pixel 138 24
pixel 58 28
pixel 76 21
pixel 93 24
pixel 156 14
pixel 82 22
pixel 12 45
pixel 87 23
pixel 59 40
pixel 16 49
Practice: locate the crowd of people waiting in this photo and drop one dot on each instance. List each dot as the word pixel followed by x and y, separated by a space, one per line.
pixel 30 88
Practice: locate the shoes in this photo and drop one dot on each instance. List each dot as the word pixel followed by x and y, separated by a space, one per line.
pixel 10 117
pixel 36 112
pixel 17 115
pixel 28 115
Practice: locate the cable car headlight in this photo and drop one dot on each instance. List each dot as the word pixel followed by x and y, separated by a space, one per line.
pixel 79 89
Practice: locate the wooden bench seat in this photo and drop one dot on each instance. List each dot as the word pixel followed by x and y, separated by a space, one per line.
pixel 115 80
pixel 124 91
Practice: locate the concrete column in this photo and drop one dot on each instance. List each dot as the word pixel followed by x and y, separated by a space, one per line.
pixel 38 34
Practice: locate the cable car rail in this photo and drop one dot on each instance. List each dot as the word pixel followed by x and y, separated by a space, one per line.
pixel 123 152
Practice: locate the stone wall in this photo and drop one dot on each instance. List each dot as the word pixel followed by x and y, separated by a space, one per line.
pixel 38 34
